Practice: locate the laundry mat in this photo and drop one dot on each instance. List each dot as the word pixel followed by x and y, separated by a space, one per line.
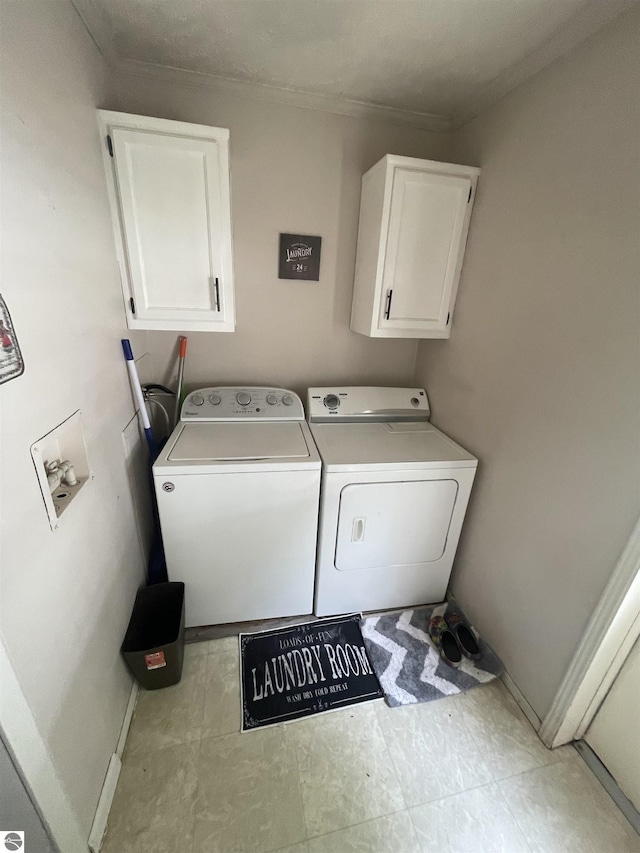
pixel 302 670
pixel 408 666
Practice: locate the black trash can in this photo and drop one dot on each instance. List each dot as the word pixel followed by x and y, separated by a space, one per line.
pixel 153 646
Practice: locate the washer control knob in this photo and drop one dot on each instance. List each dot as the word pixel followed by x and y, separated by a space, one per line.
pixel 415 401
pixel 331 401
pixel 243 398
pixel 287 400
pixel 197 399
pixel 272 399
pixel 215 399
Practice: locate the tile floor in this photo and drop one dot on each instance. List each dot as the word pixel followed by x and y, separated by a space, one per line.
pixel 465 773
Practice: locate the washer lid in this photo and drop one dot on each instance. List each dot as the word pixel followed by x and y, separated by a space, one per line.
pixel 372 446
pixel 235 442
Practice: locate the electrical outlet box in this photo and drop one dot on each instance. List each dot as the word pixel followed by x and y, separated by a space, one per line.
pixel 62 466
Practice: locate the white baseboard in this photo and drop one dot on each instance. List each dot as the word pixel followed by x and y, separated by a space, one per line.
pixel 99 826
pixel 528 711
pixel 512 687
pixel 101 817
pixel 126 722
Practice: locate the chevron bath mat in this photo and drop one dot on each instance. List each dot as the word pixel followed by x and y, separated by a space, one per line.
pixel 408 666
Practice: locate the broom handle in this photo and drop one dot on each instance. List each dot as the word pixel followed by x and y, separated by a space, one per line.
pixel 182 354
pixel 137 393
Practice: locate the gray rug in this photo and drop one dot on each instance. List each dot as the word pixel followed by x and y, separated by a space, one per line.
pixel 408 666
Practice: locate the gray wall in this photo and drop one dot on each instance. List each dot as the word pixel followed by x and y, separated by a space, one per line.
pixel 540 376
pixel 298 171
pixel 66 595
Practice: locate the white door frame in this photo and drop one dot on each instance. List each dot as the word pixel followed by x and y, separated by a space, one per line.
pixel 32 755
pixel 611 632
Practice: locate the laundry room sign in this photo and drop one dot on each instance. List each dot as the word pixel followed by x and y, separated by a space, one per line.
pixel 294 672
pixel 299 257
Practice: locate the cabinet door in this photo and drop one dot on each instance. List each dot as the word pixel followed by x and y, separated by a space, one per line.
pixel 173 197
pixel 424 248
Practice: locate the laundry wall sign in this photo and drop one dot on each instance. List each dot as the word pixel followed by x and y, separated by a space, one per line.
pixel 11 363
pixel 299 257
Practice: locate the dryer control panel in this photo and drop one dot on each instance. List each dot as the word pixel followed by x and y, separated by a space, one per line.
pixel 361 404
pixel 242 403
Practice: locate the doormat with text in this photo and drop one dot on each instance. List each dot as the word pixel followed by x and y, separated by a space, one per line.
pixel 302 670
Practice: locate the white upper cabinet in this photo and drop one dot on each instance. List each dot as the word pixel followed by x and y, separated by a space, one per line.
pixel 168 186
pixel 414 219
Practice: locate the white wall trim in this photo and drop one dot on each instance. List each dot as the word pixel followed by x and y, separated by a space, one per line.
pixel 610 634
pixel 101 818
pixel 587 21
pixel 615 666
pixel 520 698
pixel 128 716
pixel 99 826
pixel 100 31
pixel 35 762
pixel 290 97
pixel 513 688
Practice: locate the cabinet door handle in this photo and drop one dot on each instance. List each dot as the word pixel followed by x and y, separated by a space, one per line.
pixel 216 290
pixel 387 310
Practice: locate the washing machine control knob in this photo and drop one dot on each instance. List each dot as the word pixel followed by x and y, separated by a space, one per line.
pixel 243 398
pixel 287 399
pixel 331 401
pixel 197 399
pixel 215 399
pixel 272 399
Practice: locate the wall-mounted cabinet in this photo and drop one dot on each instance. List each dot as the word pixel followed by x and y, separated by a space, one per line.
pixel 414 219
pixel 168 185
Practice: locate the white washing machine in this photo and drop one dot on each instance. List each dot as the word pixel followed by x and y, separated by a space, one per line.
pixel 238 486
pixel 394 495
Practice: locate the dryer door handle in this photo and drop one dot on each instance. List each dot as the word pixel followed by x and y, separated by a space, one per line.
pixel 357 531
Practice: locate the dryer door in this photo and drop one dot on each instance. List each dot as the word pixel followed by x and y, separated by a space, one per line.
pixel 393 524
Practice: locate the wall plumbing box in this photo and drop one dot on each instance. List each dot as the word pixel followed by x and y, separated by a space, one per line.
pixel 62 466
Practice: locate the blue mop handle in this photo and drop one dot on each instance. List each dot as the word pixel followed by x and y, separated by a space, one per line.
pixel 137 392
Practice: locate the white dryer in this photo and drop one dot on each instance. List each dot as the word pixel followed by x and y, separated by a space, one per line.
pixel 238 486
pixel 394 495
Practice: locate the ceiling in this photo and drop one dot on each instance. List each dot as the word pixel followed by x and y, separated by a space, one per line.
pixel 433 63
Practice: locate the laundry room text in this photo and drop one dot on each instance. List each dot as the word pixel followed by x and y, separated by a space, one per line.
pixel 309 666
